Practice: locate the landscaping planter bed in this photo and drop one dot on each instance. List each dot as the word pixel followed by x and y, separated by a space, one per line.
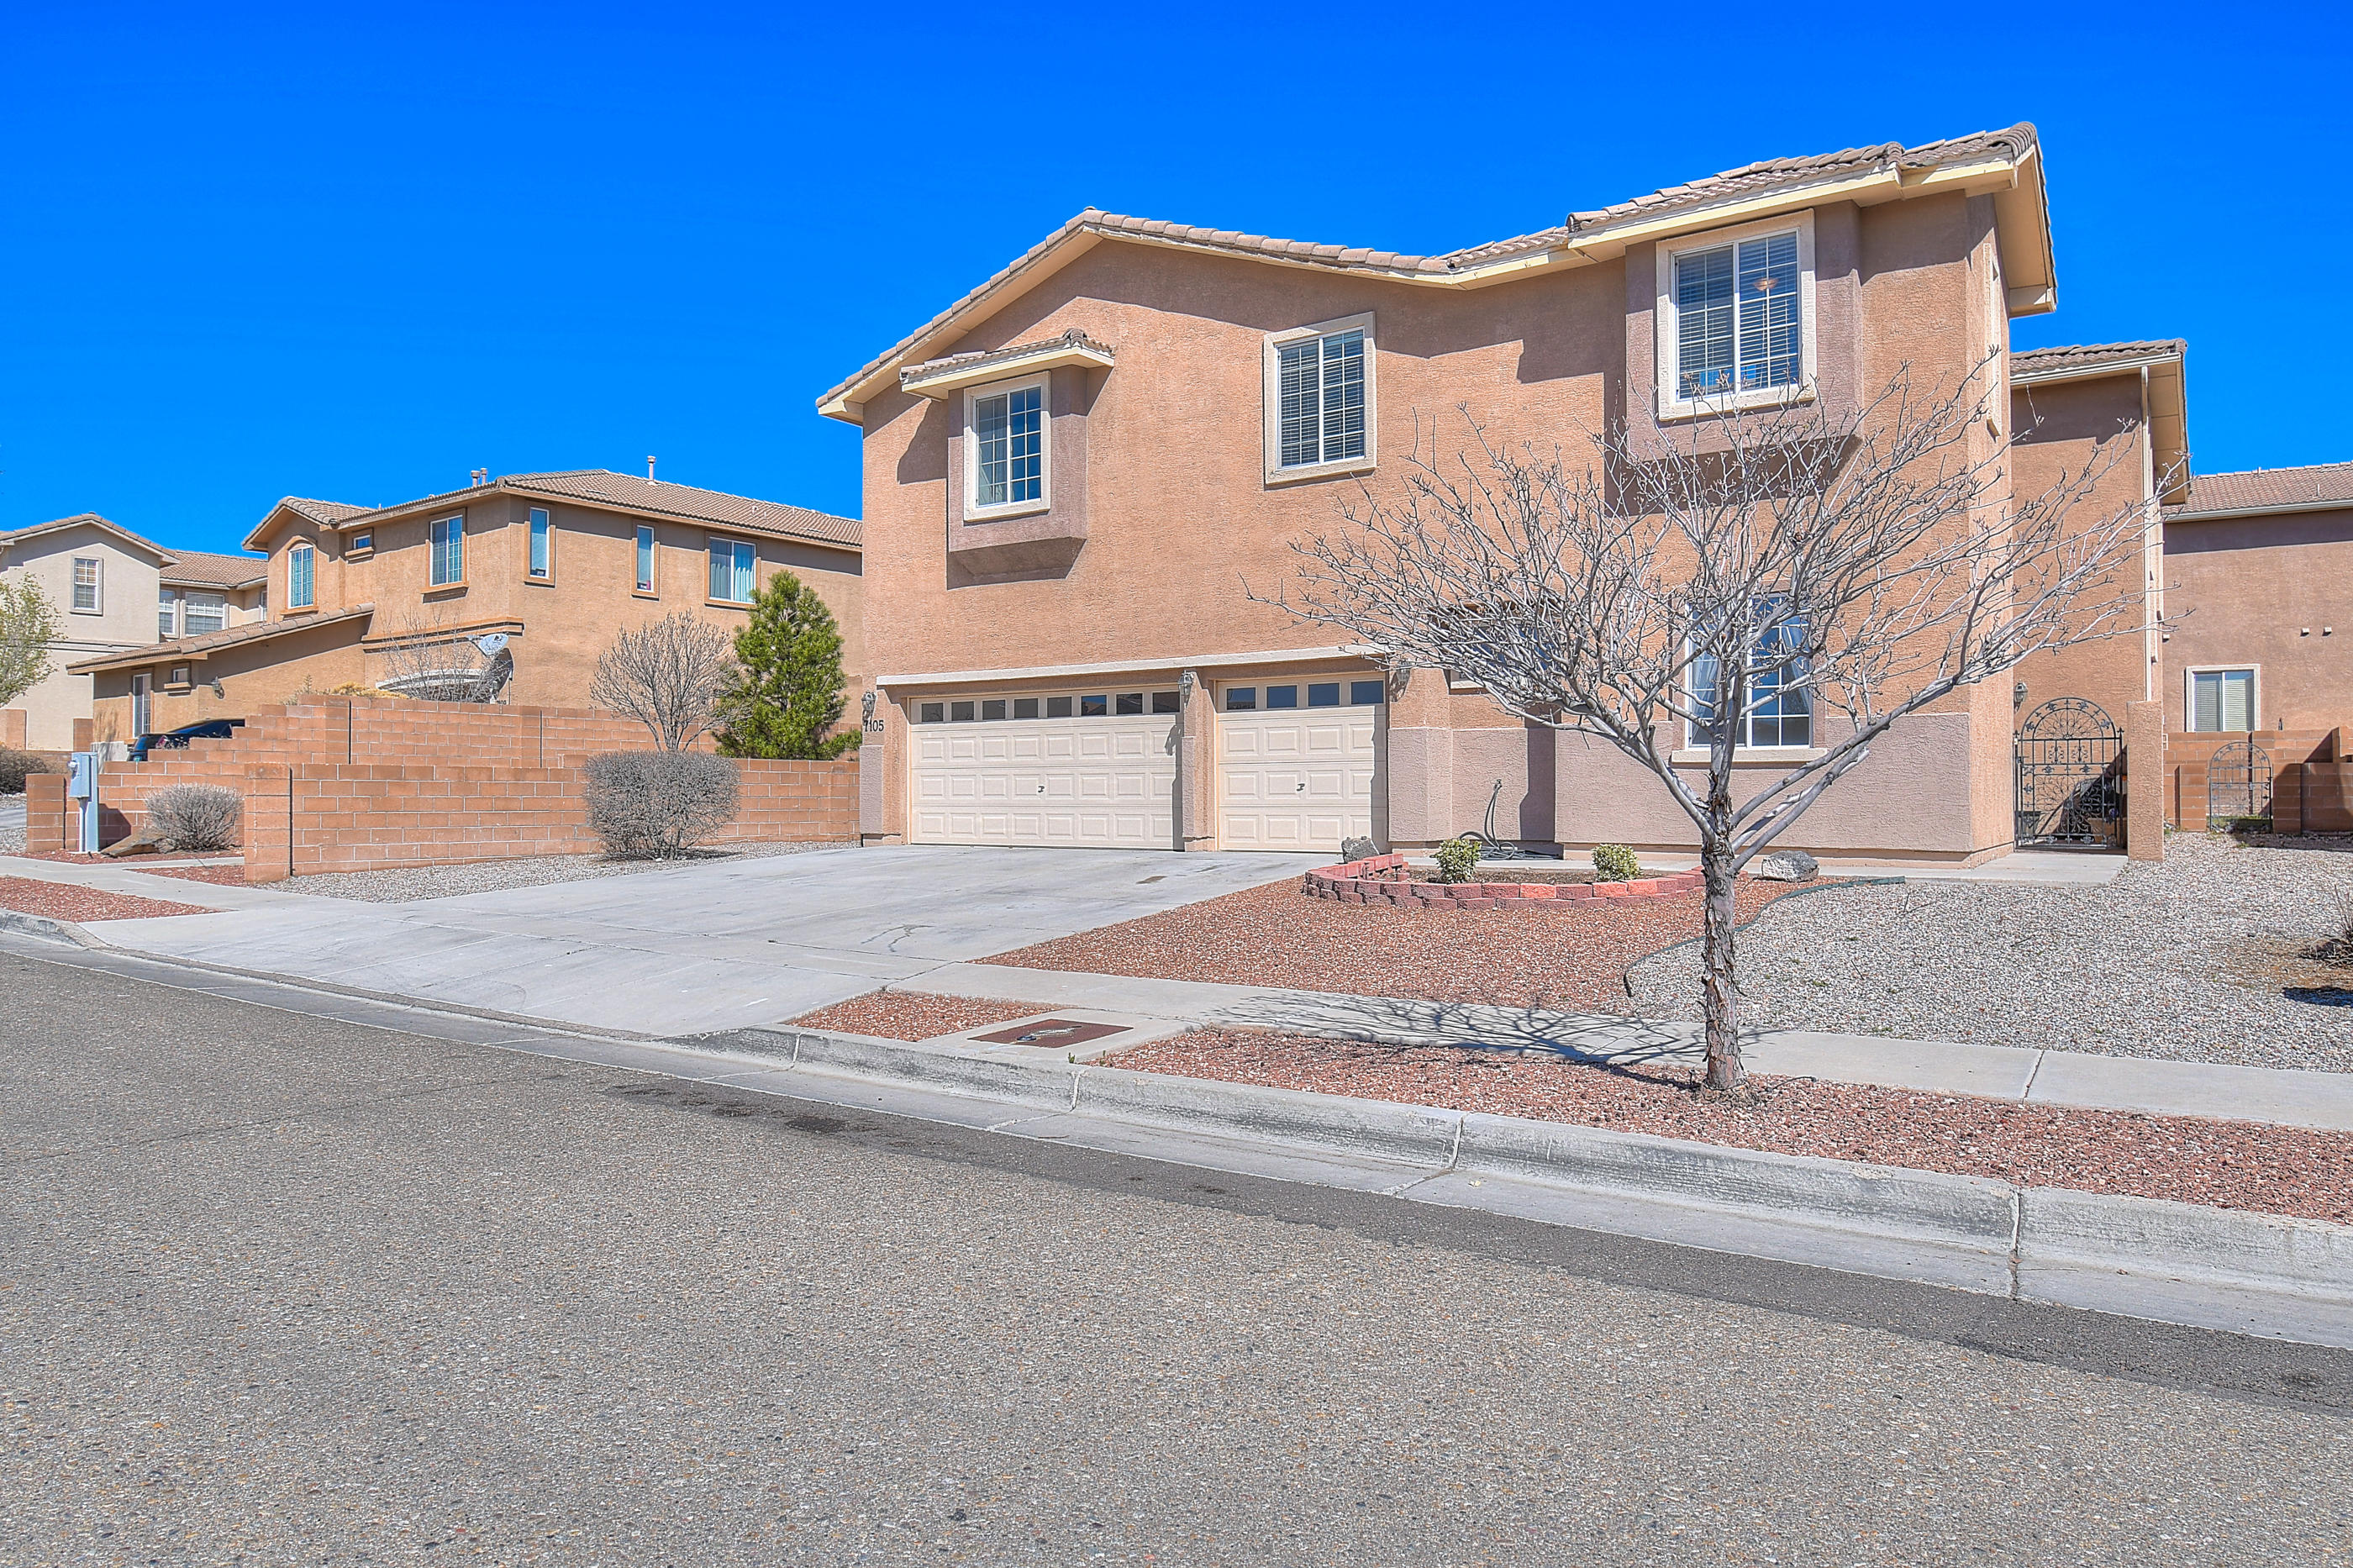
pixel 1384 879
pixel 2184 1158
pixel 916 1015
pixel 65 902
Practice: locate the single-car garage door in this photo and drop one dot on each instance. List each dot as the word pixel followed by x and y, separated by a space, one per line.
pixel 1296 764
pixel 1083 771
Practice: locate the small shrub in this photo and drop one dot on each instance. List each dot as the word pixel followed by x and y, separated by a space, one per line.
pixel 14 766
pixel 1457 859
pixel 645 805
pixel 1615 863
pixel 2337 948
pixel 194 817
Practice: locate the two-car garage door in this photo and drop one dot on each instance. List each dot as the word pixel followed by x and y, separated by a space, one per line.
pixel 1294 766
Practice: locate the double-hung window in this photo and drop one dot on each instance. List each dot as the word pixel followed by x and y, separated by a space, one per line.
pixel 447 538
pixel 1775 709
pixel 731 571
pixel 205 613
pixel 645 558
pixel 2221 700
pixel 1736 319
pixel 167 614
pixel 87 575
pixel 302 586
pixel 543 545
pixel 1004 442
pixel 1319 398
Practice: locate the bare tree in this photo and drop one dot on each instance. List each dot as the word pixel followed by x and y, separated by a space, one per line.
pixel 667 675
pixel 1760 578
pixel 29 623
pixel 430 657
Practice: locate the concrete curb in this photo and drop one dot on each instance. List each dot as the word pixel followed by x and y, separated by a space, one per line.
pixel 47 930
pixel 2249 1273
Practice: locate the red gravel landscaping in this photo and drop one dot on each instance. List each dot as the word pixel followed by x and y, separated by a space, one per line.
pixel 65 902
pixel 231 875
pixel 2224 1165
pixel 1572 955
pixel 916 1015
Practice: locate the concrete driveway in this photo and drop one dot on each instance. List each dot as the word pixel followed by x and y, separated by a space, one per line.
pixel 706 946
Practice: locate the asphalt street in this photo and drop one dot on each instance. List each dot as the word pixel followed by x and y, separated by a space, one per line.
pixel 276 1288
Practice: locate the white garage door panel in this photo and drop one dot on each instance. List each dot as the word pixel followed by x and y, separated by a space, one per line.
pixel 1295 780
pixel 1076 783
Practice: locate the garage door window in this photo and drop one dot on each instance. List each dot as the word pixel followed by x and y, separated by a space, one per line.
pixel 1025 707
pixel 1163 702
pixel 1241 699
pixel 1365 694
pixel 1093 707
pixel 933 713
pixel 1282 696
pixel 1058 707
pixel 960 712
pixel 1324 694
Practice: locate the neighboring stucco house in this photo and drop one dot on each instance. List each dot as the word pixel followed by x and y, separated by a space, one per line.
pixel 556 563
pixel 2259 602
pixel 1071 473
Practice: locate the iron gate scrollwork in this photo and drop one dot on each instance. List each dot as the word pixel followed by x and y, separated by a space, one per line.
pixel 2069 771
pixel 2239 785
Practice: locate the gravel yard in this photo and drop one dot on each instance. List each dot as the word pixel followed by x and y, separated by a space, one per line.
pixel 2198 958
pixel 228 875
pixel 1566 955
pixel 916 1015
pixel 413 882
pixel 64 901
pixel 2227 1164
pixel 12 823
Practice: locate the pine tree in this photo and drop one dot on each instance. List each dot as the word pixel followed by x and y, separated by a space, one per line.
pixel 787 691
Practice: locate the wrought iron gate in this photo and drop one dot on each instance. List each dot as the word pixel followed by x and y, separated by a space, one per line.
pixel 2239 785
pixel 2069 771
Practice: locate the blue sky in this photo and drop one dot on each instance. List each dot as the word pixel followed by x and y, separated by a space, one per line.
pixel 354 252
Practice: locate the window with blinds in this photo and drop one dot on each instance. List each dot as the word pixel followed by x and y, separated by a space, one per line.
pixel 1008 447
pixel 2221 700
pixel 1320 390
pixel 1739 322
pixel 447 538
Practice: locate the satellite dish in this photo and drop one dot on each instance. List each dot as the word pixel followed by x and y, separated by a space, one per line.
pixel 491 644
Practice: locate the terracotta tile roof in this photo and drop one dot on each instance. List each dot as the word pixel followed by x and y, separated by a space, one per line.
pixel 2033 364
pixel 2265 490
pixel 213 642
pixel 207 569
pixel 1753 179
pixel 82 519
pixel 325 512
pixel 605 487
pixel 1073 339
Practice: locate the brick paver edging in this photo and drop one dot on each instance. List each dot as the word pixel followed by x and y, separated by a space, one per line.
pixel 1382 880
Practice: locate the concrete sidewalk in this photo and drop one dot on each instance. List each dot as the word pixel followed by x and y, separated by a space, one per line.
pixel 122 878
pixel 2019 868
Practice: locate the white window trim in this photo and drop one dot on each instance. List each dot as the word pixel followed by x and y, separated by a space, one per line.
pixel 186 602
pixel 431 552
pixel 530 521
pixel 1272 390
pixel 645 547
pixel 2189 697
pixel 734 546
pixel 96 586
pixel 1668 333
pixel 973 511
pixel 299 548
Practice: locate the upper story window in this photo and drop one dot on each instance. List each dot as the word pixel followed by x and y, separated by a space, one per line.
pixel 361 543
pixel 302 588
pixel 731 571
pixel 446 536
pixel 206 612
pixel 543 545
pixel 1776 709
pixel 167 614
pixel 645 559
pixel 1319 399
pixel 88 574
pixel 1736 317
pixel 1005 446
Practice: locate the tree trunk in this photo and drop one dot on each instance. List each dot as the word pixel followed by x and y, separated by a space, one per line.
pixel 1721 1000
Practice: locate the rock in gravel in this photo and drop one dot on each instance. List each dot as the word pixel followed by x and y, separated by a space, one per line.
pixel 1354 849
pixel 1785 866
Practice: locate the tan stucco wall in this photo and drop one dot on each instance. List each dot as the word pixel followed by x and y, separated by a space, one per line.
pixel 2263 592
pixel 560 627
pixel 251 677
pixel 1180 518
pixel 125 618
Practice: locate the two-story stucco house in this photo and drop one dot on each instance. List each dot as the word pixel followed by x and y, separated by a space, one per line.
pixel 1081 478
pixel 116 592
pixel 553 563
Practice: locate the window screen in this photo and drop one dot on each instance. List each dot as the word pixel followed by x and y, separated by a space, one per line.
pixel 1009 434
pixel 2222 699
pixel 1737 315
pixel 1320 387
pixel 448 536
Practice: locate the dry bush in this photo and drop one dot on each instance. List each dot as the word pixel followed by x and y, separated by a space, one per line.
pixel 651 805
pixel 196 816
pixel 14 766
pixel 667 675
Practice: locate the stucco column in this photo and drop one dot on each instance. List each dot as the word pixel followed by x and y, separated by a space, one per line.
pixel 1421 758
pixel 881 770
pixel 1196 800
pixel 2145 780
